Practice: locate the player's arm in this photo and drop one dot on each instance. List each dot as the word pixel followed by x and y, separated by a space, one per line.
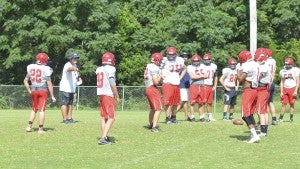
pixel 215 81
pixel 281 86
pixel 237 84
pixel 26 84
pixel 183 72
pixel 222 82
pixel 50 88
pixel 297 86
pixel 114 89
pixel 156 79
pixel 241 76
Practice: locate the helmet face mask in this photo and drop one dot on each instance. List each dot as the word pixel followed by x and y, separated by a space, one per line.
pixel 196 60
pixel 171 53
pixel 207 59
pixel 288 63
pixel 232 63
pixel 171 57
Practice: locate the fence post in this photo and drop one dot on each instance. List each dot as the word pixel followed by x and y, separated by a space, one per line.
pixel 123 95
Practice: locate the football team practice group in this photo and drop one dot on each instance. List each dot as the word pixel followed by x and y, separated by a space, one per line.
pixel 188 82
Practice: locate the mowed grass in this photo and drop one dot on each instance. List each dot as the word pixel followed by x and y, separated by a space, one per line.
pixel 186 145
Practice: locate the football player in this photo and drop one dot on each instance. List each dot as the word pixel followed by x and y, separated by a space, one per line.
pixel 196 80
pixel 152 77
pixel 263 93
pixel 171 67
pixel 39 74
pixel 288 87
pixel 108 95
pixel 229 81
pixel 271 62
pixel 209 84
pixel 247 75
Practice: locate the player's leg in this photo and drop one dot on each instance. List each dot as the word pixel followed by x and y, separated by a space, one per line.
pixel 70 108
pixel 282 111
pixel 292 109
pixel 225 109
pixel 231 111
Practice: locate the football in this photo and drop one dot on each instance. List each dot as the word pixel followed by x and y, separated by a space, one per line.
pixel 237 122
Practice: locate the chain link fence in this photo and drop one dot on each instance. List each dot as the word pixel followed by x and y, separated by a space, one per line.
pixel 132 98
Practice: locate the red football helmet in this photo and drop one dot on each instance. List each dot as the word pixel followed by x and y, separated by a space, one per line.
pixel 156 58
pixel 171 51
pixel 232 61
pixel 196 60
pixel 289 61
pixel 244 56
pixel 42 58
pixel 260 55
pixel 268 52
pixel 108 58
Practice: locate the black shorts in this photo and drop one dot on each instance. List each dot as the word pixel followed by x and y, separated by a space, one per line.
pixel 66 98
pixel 272 89
pixel 230 97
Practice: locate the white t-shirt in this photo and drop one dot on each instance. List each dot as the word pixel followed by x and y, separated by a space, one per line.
pixel 272 66
pixel 290 76
pixel 104 73
pixel 150 71
pixel 194 70
pixel 68 80
pixel 264 74
pixel 171 69
pixel 210 71
pixel 39 74
pixel 251 69
pixel 230 76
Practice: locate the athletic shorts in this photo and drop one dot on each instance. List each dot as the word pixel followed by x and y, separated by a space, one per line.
pixel 271 89
pixel 184 94
pixel 107 107
pixel 263 95
pixel 154 98
pixel 207 94
pixel 171 94
pixel 39 100
pixel 248 105
pixel 66 98
pixel 195 94
pixel 288 97
pixel 230 97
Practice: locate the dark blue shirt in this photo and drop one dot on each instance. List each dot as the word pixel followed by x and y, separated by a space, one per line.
pixel 185 81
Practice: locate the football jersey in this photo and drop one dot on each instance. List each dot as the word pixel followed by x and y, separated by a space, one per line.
pixel 251 69
pixel 289 76
pixel 104 73
pixel 150 71
pixel 171 69
pixel 264 74
pixel 272 66
pixel 230 76
pixel 210 71
pixel 68 80
pixel 193 70
pixel 38 74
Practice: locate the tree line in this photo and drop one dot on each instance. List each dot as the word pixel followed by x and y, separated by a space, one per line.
pixel 133 29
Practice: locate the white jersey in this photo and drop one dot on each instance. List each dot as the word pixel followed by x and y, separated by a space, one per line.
pixel 230 76
pixel 39 74
pixel 264 74
pixel 171 69
pixel 194 70
pixel 210 71
pixel 289 76
pixel 272 66
pixel 104 73
pixel 68 80
pixel 251 69
pixel 150 71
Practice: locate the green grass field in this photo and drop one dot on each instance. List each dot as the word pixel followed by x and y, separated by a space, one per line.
pixel 186 145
